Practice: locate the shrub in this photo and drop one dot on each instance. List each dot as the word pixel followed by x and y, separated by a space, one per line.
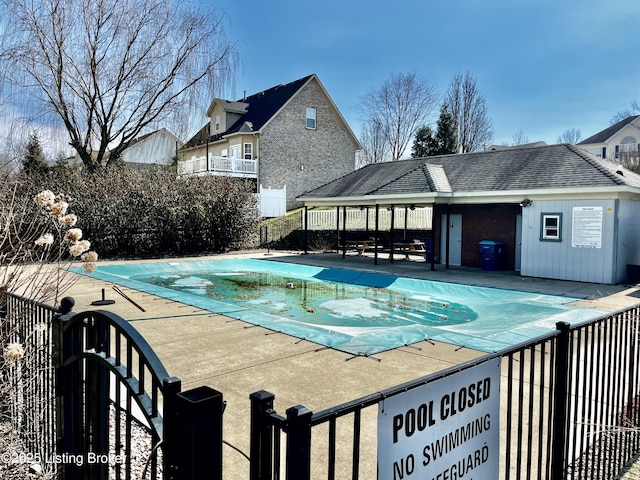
pixel 132 213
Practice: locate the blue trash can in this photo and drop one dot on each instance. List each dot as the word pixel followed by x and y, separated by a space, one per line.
pixel 491 254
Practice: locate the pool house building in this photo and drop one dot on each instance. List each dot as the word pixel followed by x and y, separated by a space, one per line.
pixel 555 211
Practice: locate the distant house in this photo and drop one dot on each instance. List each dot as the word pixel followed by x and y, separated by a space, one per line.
pixel 619 142
pixel 290 135
pixel 156 148
pixel 560 212
pixel 159 147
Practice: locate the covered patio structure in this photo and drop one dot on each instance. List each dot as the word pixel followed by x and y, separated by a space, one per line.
pixel 555 210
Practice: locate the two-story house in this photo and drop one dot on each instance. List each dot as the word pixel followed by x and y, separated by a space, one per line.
pixel 620 142
pixel 290 135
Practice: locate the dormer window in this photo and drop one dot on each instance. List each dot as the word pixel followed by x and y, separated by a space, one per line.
pixel 311 118
pixel 217 124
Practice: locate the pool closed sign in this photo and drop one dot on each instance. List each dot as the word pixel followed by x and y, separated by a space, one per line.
pixel 445 430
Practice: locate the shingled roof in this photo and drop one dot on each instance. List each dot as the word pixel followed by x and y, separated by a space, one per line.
pixel 604 135
pixel 535 168
pixel 260 108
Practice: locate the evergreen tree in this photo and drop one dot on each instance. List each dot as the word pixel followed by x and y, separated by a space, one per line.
pixel 424 143
pixel 445 140
pixel 34 162
pixel 447 135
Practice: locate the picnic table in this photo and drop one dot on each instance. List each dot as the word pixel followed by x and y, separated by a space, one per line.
pixel 362 246
pixel 410 248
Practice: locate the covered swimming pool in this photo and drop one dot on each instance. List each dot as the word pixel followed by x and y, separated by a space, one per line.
pixel 357 312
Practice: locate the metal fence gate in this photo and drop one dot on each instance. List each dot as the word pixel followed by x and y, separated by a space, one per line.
pixel 569 404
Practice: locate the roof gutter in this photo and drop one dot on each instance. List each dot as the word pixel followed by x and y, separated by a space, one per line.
pixel 508 196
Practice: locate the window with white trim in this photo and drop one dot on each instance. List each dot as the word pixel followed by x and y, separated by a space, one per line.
pixel 217 126
pixel 311 118
pixel 551 227
pixel 248 151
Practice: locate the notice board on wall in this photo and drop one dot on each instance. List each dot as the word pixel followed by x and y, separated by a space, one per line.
pixel 586 227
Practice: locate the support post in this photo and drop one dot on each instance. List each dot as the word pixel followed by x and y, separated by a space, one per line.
pixel 375 238
pixel 344 231
pixel 299 443
pixel 448 237
pixel 338 229
pixel 560 399
pixel 306 230
pixel 392 231
pixel 200 434
pixel 261 448
pixel 171 389
pixel 67 342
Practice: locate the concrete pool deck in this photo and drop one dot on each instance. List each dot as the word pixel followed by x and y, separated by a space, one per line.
pixel 238 359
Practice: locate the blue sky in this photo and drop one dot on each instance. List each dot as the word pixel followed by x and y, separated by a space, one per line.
pixel 543 66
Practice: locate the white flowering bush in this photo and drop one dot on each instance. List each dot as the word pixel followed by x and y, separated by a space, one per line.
pixel 39 243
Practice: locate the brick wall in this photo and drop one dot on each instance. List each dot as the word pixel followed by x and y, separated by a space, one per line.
pixel 326 153
pixel 482 222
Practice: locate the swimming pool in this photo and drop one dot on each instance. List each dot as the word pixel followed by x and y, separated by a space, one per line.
pixel 360 313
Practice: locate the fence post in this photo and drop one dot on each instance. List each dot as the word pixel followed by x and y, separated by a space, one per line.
pixel 199 414
pixel 171 389
pixel 560 399
pixel 261 454
pixel 65 343
pixel 298 443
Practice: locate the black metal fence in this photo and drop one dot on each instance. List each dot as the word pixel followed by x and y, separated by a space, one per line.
pixel 27 388
pixel 93 401
pixel 568 407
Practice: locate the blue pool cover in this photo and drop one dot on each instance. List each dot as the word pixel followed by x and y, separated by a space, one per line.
pixel 360 313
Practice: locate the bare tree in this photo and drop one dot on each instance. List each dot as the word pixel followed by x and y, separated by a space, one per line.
pixel 634 109
pixel 469 108
pixel 112 69
pixel 398 108
pixel 519 138
pixel 570 135
pixel 374 145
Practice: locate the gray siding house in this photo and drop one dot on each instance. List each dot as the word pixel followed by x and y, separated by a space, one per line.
pixel 290 135
pixel 560 212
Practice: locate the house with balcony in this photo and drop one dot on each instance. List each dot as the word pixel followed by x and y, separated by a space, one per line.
pixel 290 137
pixel 619 143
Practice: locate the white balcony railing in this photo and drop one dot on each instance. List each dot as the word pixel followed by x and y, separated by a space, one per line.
pixel 236 167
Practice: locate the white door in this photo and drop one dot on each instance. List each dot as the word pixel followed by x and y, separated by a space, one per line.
pixel 455 240
pixel 234 151
pixel 518 242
